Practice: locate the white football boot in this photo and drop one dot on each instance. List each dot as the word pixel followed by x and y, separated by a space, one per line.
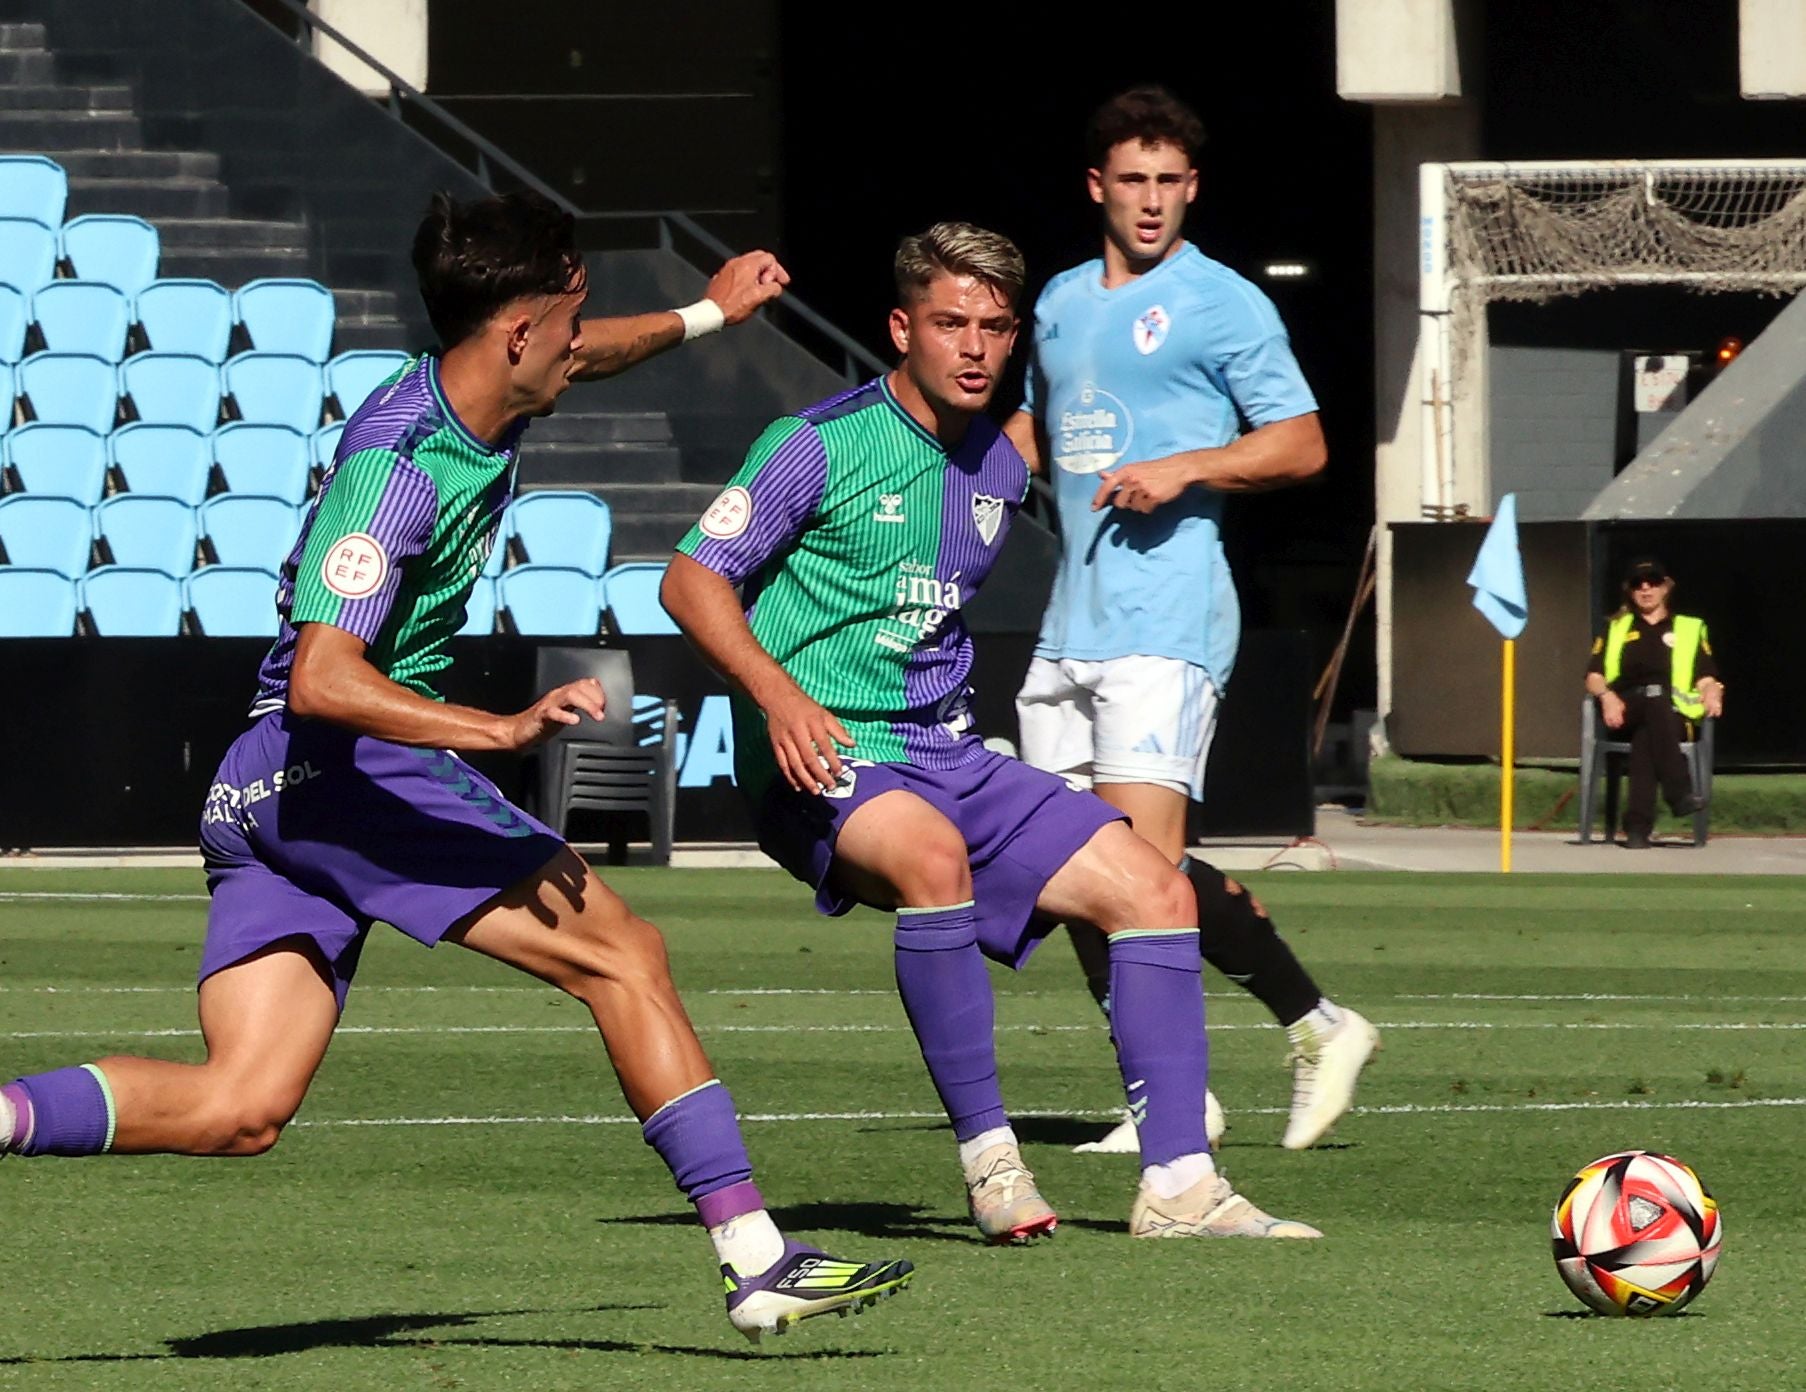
pixel 1210 1208
pixel 1125 1140
pixel 1003 1201
pixel 1325 1067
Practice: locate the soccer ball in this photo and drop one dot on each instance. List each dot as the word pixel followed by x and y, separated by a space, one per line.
pixel 1636 1234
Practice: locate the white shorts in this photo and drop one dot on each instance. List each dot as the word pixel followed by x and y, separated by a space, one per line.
pixel 1124 720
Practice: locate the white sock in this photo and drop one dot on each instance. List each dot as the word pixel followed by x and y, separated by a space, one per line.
pixel 1176 1176
pixel 969 1151
pixel 750 1243
pixel 1324 1020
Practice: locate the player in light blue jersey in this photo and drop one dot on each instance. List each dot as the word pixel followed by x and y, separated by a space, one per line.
pixel 1162 381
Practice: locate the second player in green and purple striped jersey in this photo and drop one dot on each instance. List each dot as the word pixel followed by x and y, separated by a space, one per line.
pixel 857 538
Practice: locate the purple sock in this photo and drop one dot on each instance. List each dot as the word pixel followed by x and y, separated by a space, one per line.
pixel 68 1112
pixel 947 996
pixel 1157 1024
pixel 698 1138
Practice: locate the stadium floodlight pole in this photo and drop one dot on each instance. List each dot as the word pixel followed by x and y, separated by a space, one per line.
pixel 1435 354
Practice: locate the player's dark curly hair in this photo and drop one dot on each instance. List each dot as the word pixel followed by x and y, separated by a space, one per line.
pixel 474 258
pixel 1151 115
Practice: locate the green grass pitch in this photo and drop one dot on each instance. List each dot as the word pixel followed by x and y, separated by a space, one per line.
pixel 464 1201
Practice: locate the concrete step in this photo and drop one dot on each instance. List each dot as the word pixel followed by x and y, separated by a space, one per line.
pixel 155 199
pixel 14 37
pixel 232 233
pixel 140 164
pixel 595 427
pixel 649 536
pixel 596 468
pixel 27 68
pixel 356 305
pixel 386 334
pixel 232 267
pixel 46 132
pixel 48 97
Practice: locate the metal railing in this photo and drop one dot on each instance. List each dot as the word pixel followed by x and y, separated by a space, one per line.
pixel 675 229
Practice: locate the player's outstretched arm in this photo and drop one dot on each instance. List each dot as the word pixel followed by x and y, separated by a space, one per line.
pixel 1272 456
pixel 737 290
pixel 332 681
pixel 1022 433
pixel 803 732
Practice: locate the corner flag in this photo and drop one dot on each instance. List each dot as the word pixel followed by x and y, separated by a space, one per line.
pixel 1498 573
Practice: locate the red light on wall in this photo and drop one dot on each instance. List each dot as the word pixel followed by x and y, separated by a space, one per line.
pixel 1728 349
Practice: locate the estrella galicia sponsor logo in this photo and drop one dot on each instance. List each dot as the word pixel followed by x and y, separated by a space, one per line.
pixel 1092 433
pixel 1150 330
pixel 987 516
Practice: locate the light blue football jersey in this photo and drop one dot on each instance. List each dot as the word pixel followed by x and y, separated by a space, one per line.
pixel 1184 357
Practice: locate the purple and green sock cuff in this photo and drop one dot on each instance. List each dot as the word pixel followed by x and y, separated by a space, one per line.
pixel 67 1112
pixel 697 1135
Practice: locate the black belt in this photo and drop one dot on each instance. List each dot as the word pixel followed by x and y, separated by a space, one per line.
pixel 1653 690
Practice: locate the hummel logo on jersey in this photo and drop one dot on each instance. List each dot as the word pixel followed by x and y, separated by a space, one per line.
pixel 890 508
pixel 987 516
pixel 1151 329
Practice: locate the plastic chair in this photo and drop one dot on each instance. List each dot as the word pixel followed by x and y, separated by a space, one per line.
pixel 186 316
pixel 551 601
pixel 274 389
pixel 170 460
pixel 146 532
pixel 287 316
pixel 32 186
pixel 36 603
pixel 604 765
pixel 239 529
pixel 58 461
pixel 46 534
pixel 232 601
pixel 83 316
pixel 630 595
pixel 172 389
pixel 479 610
pixel 15 318
pixel 9 395
pixel 560 528
pixel 1601 755
pixel 352 377
pixel 271 460
pixel 71 389
pixel 324 443
pixel 120 250
pixel 132 602
pixel 27 252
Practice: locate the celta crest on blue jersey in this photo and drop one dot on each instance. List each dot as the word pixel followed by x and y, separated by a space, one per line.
pixel 1151 329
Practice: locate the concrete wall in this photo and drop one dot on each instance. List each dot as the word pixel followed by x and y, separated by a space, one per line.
pixel 1554 424
pixel 1771 48
pixel 391 31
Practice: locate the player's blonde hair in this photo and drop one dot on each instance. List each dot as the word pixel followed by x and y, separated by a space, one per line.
pixel 959 248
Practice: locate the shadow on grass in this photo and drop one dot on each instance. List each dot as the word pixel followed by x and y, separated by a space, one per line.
pixel 882 1221
pixel 401 1331
pixel 1595 1315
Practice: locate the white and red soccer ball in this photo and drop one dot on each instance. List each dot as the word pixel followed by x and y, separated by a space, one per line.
pixel 1636 1234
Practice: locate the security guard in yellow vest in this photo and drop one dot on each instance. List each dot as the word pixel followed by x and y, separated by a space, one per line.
pixel 1655 677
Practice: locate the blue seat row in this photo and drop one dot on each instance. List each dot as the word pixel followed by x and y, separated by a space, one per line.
pixel 148 531
pixel 71 461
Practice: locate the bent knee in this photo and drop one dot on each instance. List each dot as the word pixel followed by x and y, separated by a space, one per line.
pixel 939 873
pixel 1164 899
pixel 631 955
pixel 242 1127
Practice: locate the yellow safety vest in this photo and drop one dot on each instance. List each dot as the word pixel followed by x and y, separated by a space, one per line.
pixel 1689 633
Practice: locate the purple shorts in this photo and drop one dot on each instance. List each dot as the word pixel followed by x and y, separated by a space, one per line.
pixel 1020 823
pixel 313 831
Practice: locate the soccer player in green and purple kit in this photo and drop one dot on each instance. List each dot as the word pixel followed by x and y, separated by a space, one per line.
pixel 342 804
pixel 858 530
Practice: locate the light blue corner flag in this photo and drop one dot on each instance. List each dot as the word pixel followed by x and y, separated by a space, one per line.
pixel 1498 573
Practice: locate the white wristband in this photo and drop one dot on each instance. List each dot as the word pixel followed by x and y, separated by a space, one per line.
pixel 703 317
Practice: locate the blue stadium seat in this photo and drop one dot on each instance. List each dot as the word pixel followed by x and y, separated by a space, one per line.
pixel 351 377
pixel 15 318
pixel 479 610
pixel 83 316
pixel 145 531
pixel 242 529
pixel 36 603
pixel 132 602
pixel 71 389
pixel 186 316
pixel 115 248
pixel 172 389
pixel 9 395
pixel 324 442
pixel 46 533
pixel 559 528
pixel 630 595
pixel 268 459
pixel 275 389
pixel 498 554
pixel 287 316
pixel 551 601
pixel 58 461
pixel 170 460
pixel 232 601
pixel 27 253
pixel 33 187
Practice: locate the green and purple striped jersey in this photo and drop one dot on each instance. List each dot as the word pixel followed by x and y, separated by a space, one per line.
pixel 858 539
pixel 397 534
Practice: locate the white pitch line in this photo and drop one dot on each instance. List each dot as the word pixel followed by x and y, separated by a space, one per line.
pixel 1587 996
pixel 73 896
pixel 1397 1109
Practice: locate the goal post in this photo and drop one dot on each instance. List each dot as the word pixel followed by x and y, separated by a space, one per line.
pixel 1537 231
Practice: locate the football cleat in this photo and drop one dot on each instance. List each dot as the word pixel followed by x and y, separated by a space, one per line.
pixel 1002 1198
pixel 1325 1066
pixel 806 1282
pixel 15 1131
pixel 1125 1140
pixel 1210 1208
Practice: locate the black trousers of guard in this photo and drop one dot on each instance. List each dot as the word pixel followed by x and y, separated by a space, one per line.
pixel 1656 731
